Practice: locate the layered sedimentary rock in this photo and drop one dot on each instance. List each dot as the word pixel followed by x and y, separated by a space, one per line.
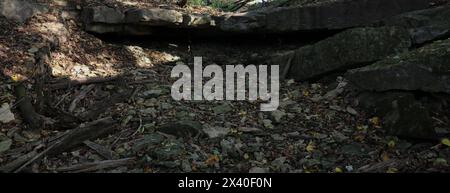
pixel 343 51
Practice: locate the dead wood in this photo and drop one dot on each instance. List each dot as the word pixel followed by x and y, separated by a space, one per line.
pixel 26 109
pixel 81 95
pixel 72 139
pixel 81 81
pixel 101 150
pixel 101 106
pixel 94 166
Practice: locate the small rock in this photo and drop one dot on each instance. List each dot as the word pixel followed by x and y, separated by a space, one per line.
pixel 166 106
pixel 214 132
pixel 228 147
pixel 336 108
pixel 293 134
pixel 267 123
pixel 349 168
pixel 183 128
pixel 169 164
pixel 170 150
pixel 257 170
pixel 222 109
pixel 259 156
pixel 186 166
pixel 277 137
pixel 5 144
pixel 149 111
pixel 33 50
pixel 6 115
pixel 279 161
pixel 250 129
pixel 351 110
pixel 152 93
pixel 277 115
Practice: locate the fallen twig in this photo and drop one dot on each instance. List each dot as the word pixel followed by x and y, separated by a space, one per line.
pixel 81 95
pixel 94 166
pixel 71 139
pixel 81 81
pixel 102 150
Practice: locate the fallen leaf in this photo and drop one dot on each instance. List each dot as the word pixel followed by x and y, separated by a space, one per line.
pixel 246 156
pixel 212 159
pixel 392 170
pixel 310 147
pixel 391 144
pixel 375 122
pixel 338 170
pixel 446 142
pixel 385 156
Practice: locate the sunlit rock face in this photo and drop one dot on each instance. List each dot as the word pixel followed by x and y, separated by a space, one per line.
pixel 332 15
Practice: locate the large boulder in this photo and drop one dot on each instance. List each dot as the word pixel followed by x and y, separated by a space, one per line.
pixel 102 14
pixel 102 19
pixel 401 113
pixel 154 17
pixel 243 22
pixel 338 14
pixel 425 69
pixel 21 10
pixel 424 25
pixel 343 51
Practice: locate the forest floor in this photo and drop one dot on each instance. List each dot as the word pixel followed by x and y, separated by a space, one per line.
pixel 317 128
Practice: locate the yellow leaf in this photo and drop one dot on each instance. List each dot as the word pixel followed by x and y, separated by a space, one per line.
pixel 213 159
pixel 359 137
pixel 391 144
pixel 446 142
pixel 16 77
pixel 310 147
pixel 385 156
pixel 375 122
pixel 392 170
pixel 305 92
pixel 338 170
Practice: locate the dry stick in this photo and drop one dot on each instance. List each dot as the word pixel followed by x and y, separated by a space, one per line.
pixel 9 167
pixel 74 138
pixel 102 150
pixel 89 167
pixel 80 97
pixel 378 166
pixel 81 81
pixel 26 108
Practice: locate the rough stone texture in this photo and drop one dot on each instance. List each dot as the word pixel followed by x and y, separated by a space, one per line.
pixel 198 21
pixel 103 14
pixel 102 19
pixel 401 113
pixel 424 69
pixel 339 14
pixel 154 17
pixel 243 22
pixel 343 51
pixel 424 25
pixel 21 10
